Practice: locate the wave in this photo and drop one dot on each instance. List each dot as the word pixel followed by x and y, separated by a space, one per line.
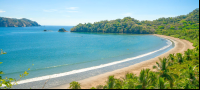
pixel 90 68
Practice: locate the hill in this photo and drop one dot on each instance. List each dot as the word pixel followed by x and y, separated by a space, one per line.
pixel 131 25
pixel 12 22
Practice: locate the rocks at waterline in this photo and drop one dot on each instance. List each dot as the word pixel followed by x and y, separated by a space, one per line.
pixel 46 30
pixel 62 30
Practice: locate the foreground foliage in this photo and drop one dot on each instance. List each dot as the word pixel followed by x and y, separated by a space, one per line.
pixel 171 74
pixel 7 83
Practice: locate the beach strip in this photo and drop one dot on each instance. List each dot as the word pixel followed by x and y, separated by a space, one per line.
pixel 181 45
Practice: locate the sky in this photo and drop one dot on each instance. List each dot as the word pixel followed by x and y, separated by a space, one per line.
pixel 73 12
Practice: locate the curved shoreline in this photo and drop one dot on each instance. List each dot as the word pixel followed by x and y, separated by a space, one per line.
pixel 180 46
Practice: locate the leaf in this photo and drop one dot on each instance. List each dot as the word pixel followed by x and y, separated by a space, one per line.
pixel 1 72
pixel 11 79
pixel 154 67
pixel 1 62
pixel 25 72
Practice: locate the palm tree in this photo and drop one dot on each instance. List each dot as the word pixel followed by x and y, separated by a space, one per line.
pixel 195 53
pixel 129 76
pixel 192 77
pixel 171 57
pixel 153 78
pixel 118 84
pixel 144 77
pixel 129 81
pixel 75 85
pixel 180 58
pixel 161 83
pixel 164 72
pixel 188 54
pixel 111 81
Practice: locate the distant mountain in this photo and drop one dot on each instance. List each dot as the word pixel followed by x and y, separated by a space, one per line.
pixel 12 22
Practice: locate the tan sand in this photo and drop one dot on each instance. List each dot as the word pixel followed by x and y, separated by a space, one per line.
pixel 180 46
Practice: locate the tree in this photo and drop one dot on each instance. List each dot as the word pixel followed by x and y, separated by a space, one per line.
pixel 179 57
pixel 188 54
pixel 164 71
pixel 110 82
pixel 75 85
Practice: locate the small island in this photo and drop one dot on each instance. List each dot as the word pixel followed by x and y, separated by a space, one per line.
pixel 62 30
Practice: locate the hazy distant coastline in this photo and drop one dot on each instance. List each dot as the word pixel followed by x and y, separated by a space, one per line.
pixel 13 22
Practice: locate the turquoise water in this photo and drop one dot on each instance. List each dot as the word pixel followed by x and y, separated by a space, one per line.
pixel 57 52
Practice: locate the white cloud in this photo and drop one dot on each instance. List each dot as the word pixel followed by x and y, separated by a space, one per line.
pixel 14 17
pixel 67 16
pixel 72 11
pixel 72 8
pixel 1 11
pixel 50 10
pixel 127 14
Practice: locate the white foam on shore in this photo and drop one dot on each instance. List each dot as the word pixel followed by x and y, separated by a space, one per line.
pixel 90 68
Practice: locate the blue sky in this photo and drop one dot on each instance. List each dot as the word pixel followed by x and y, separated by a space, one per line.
pixel 73 12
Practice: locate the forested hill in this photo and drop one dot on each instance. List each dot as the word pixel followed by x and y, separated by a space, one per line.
pixel 12 22
pixel 131 25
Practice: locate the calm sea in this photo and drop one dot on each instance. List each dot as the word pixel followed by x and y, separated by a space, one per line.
pixel 55 52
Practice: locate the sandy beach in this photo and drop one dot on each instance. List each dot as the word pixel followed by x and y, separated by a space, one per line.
pixel 180 46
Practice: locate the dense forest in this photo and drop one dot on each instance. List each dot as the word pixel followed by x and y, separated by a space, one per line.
pixel 131 25
pixel 12 22
pixel 177 71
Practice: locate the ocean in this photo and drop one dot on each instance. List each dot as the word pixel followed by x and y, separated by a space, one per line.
pixel 63 57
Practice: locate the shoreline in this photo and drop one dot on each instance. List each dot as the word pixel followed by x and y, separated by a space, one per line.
pixel 181 45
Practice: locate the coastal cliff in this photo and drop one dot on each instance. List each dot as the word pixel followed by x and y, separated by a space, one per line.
pixel 13 22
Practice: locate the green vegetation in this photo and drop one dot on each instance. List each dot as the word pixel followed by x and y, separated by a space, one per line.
pixel 171 74
pixel 12 22
pixel 177 71
pixel 188 23
pixel 62 30
pixel 75 85
pixel 7 81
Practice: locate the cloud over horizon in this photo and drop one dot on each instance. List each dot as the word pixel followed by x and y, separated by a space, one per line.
pixel 1 11
pixel 72 8
pixel 50 10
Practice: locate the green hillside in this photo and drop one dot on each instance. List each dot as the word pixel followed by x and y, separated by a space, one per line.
pixel 131 25
pixel 12 22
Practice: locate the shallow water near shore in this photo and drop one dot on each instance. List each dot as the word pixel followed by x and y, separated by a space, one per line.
pixel 56 52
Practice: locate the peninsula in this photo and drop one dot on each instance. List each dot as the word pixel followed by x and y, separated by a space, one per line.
pixel 13 22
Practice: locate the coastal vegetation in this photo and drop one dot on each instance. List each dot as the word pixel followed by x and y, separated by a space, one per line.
pixel 177 71
pixel 131 25
pixel 13 22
